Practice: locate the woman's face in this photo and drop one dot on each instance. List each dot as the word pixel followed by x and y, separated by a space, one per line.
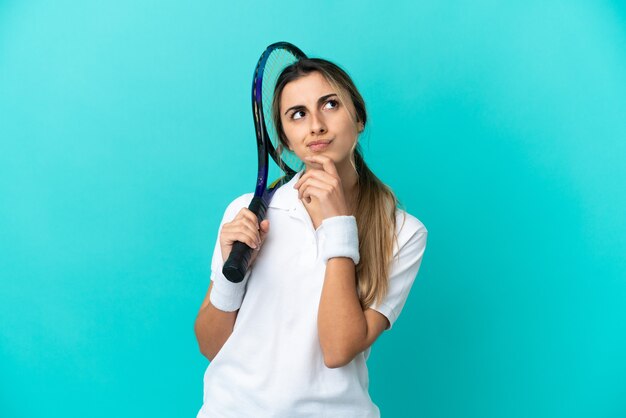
pixel 315 122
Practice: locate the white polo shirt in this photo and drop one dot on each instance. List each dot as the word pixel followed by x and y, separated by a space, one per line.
pixel 272 363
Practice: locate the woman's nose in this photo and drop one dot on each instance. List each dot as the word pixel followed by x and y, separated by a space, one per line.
pixel 317 124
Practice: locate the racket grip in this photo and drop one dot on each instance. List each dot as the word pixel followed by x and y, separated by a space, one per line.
pixel 236 265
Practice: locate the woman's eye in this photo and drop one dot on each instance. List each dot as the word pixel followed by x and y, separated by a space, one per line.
pixel 331 104
pixel 297 114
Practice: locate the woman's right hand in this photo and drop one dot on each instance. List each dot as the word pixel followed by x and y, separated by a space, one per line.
pixel 245 228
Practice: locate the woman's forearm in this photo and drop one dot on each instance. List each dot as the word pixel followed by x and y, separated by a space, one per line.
pixel 213 327
pixel 341 322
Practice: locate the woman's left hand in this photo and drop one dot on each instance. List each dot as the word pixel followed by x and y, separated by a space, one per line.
pixel 320 189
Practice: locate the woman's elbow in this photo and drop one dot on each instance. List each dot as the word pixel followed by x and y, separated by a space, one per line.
pixel 204 348
pixel 205 351
pixel 336 360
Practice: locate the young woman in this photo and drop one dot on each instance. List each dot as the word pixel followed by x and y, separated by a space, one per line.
pixel 333 265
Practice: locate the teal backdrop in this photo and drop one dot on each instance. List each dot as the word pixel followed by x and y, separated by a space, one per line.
pixel 126 129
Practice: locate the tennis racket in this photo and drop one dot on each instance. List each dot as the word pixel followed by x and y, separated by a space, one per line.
pixel 272 62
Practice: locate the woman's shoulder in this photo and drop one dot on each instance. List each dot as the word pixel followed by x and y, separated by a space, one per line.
pixel 237 204
pixel 243 200
pixel 408 226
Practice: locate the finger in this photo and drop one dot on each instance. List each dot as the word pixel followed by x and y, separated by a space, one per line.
pixel 305 176
pixel 249 221
pixel 246 213
pixel 317 174
pixel 244 236
pixel 318 184
pixel 315 192
pixel 325 178
pixel 327 164
pixel 243 222
pixel 264 234
pixel 230 239
pixel 246 229
pixel 241 230
pixel 251 229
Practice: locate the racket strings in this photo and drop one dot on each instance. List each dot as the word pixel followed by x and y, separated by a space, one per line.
pixel 275 64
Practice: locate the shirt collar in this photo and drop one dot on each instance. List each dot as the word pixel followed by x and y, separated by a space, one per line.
pixel 286 197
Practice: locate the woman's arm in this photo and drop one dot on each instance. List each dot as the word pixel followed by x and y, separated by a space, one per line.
pixel 213 327
pixel 218 312
pixel 344 328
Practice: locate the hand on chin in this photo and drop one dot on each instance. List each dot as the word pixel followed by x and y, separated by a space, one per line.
pixel 320 189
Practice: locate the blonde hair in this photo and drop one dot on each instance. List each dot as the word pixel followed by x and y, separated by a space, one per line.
pixel 376 203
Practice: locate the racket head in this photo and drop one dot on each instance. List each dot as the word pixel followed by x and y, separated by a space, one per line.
pixel 272 62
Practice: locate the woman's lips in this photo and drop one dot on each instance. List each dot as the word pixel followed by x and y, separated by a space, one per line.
pixel 319 145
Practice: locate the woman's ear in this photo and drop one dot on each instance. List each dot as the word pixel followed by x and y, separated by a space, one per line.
pixel 361 126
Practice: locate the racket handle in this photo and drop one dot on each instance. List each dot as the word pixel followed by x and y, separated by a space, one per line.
pixel 236 265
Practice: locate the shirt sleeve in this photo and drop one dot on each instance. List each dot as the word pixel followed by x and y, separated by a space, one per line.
pixel 404 267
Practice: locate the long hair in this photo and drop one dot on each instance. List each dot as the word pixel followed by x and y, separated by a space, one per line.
pixel 376 202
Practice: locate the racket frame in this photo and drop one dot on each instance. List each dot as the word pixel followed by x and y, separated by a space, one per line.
pixel 236 265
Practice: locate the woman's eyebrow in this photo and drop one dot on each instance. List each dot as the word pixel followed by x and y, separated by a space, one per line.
pixel 319 101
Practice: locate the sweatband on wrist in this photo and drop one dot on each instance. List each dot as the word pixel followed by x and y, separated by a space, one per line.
pixel 226 295
pixel 339 237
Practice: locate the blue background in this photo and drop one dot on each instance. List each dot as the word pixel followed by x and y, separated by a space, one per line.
pixel 500 126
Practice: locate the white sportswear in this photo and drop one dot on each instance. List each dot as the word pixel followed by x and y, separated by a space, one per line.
pixel 272 363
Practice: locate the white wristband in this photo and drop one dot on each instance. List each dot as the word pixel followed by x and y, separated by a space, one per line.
pixel 226 295
pixel 339 237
